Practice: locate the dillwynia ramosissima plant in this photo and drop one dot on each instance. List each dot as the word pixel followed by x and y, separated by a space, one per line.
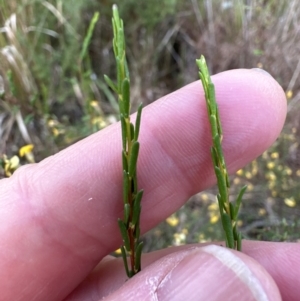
pixel 129 225
pixel 228 210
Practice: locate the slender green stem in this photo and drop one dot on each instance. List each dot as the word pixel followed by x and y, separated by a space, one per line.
pixel 130 224
pixel 228 211
pixel 88 37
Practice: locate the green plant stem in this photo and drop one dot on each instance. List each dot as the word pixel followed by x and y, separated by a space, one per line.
pixel 130 224
pixel 88 37
pixel 228 211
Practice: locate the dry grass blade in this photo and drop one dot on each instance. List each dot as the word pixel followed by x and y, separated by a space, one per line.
pixel 60 17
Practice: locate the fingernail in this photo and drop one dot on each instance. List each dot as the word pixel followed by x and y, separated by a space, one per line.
pixel 213 273
pixel 262 71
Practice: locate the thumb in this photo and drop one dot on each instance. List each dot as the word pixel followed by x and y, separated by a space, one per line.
pixel 208 273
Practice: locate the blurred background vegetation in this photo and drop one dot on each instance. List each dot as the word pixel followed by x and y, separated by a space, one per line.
pixel 53 55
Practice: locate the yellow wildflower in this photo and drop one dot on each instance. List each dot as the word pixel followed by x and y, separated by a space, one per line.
pixel 26 151
pixel 118 252
pixel 173 221
pixel 10 165
pixel 240 172
pixel 275 155
pixel 289 94
pixel 290 202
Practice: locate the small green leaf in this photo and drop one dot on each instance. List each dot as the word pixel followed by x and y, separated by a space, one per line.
pixel 126 186
pixel 115 46
pixel 126 213
pixel 133 158
pixel 222 207
pixel 221 184
pixel 124 234
pixel 131 131
pixel 121 43
pixel 134 186
pixel 138 122
pixel 217 145
pixel 124 136
pixel 125 261
pixel 126 66
pixel 214 156
pixel 220 132
pixel 137 264
pixel 137 231
pixel 126 96
pixel 124 161
pixel 226 222
pixel 137 207
pixel 212 97
pixel 238 201
pixel 120 76
pixel 203 85
pixel 235 232
pixel 110 83
pixel 226 175
pixel 203 67
pixel 213 124
pixel 116 17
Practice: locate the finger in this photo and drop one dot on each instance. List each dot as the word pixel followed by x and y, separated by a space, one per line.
pixel 67 206
pixel 281 261
pixel 207 273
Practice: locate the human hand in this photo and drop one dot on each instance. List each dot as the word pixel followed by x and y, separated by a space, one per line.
pixel 59 217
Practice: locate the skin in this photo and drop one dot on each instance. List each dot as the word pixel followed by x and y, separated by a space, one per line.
pixel 58 217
